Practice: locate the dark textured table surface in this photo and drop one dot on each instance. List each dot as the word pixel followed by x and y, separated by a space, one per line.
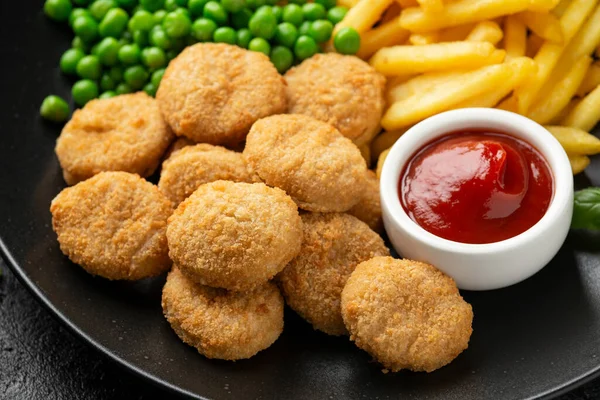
pixel 39 359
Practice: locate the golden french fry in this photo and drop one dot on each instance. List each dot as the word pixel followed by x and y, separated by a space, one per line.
pixel 561 7
pixel 578 163
pixel 486 31
pixel 548 55
pixel 407 3
pixel 534 43
pixel 565 111
pixel 508 104
pixel 586 114
pixel 388 34
pixel 575 141
pixel 550 106
pixel 444 96
pixel 402 60
pixel 363 15
pixel 591 80
pixel 431 6
pixel 384 141
pixel 380 162
pixel 543 5
pixel 421 84
pixel 391 13
pixel 515 37
pixel 597 52
pixel 545 25
pixel 420 39
pixel 347 3
pixel 456 33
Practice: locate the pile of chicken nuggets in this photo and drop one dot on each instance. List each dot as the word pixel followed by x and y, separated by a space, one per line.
pixel 263 199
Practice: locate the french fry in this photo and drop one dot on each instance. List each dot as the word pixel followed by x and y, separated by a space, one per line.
pixel 347 3
pixel 402 60
pixel 578 163
pixel 561 7
pixel 591 80
pixel 545 25
pixel 388 34
pixel 515 37
pixel 548 55
pixel 456 33
pixel 380 162
pixel 431 6
pixel 586 114
pixel 407 3
pixel 534 44
pixel 443 97
pixel 383 142
pixel 575 141
pixel 486 31
pixel 508 104
pixel 543 5
pixel 597 52
pixel 391 13
pixel 565 111
pixel 420 84
pixel 363 15
pixel 550 106
pixel 420 39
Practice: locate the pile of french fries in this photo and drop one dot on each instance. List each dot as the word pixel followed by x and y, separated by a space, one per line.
pixel 533 57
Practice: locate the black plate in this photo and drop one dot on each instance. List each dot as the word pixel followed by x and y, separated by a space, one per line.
pixel 534 340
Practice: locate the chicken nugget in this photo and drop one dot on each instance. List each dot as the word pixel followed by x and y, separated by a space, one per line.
pixel 213 93
pixel 341 90
pixel 177 145
pixel 368 208
pixel 332 246
pixel 234 235
pixel 114 225
pixel 322 170
pixel 406 314
pixel 123 133
pixel 219 323
pixel 192 166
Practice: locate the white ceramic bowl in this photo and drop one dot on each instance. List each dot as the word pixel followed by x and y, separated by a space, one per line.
pixel 480 266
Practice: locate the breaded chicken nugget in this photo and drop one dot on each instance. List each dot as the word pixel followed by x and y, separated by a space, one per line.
pixel 368 208
pixel 213 93
pixel 192 166
pixel 177 145
pixel 124 133
pixel 114 225
pixel 309 159
pixel 219 323
pixel 341 90
pixel 233 235
pixel 332 246
pixel 406 314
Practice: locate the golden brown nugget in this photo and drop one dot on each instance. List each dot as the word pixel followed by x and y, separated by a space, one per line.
pixel 234 235
pixel 332 246
pixel 341 90
pixel 123 133
pixel 192 166
pixel 322 170
pixel 114 225
pixel 177 145
pixel 406 314
pixel 213 93
pixel 368 208
pixel 219 323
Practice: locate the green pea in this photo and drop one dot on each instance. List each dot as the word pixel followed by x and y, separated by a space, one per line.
pixel 54 109
pixel 260 45
pixel 159 38
pixel 320 30
pixel 129 54
pixel 157 76
pixel 114 23
pixel 123 88
pixel 159 16
pixel 150 89
pixel 255 4
pixel 286 34
pixel 326 3
pixel 127 36
pixel 336 14
pixel 106 82
pixel 225 34
pixel 181 3
pixel 304 28
pixel 233 6
pixel 78 12
pixel 86 28
pixel 108 94
pixel 282 58
pixel 142 20
pixel 58 10
pixel 136 76
pixel 108 50
pixel 263 24
pixel 152 5
pixel 243 37
pixel 215 11
pixel 313 11
pixel 78 43
pixel 84 91
pixel 176 25
pixel 277 12
pixel 170 5
pixel 305 47
pixel 203 29
pixel 240 20
pixel 89 67
pixel 141 38
pixel 185 12
pixel 154 57
pixel 292 13
pixel 69 60
pixel 116 73
pixel 347 41
pixel 196 7
pixel 99 8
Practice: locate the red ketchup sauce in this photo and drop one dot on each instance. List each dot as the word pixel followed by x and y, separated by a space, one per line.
pixel 476 187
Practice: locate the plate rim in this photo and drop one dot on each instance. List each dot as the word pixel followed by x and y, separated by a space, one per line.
pixel 123 363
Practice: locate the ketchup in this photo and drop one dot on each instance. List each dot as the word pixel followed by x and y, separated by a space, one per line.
pixel 476 187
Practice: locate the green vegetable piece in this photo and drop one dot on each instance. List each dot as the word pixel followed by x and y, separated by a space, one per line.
pixel 152 5
pixel 78 12
pixel 240 20
pixel 305 47
pixel 159 38
pixel 157 77
pixel 286 34
pixel 58 10
pixel 233 6
pixel 89 67
pixel 196 7
pixel 260 45
pixel 304 28
pixel 123 88
pixel 336 14
pixel 154 57
pixel 347 41
pixel 176 25
pixel 225 34
pixel 181 3
pixel 136 76
pixel 185 12
pixel 150 89
pixel 84 91
pixel 159 16
pixel 263 24
pixel 114 23
pixel 282 57
pixel 108 94
pixel 277 12
pixel 79 44
pixel 106 82
pixel 129 54
pixel 116 73
pixel 203 29
pixel 142 20
pixel 292 13
pixel 69 60
pixel 215 11
pixel 244 36
pixel 255 4
pixel 170 5
pixel 313 11
pixel 141 38
pixel 86 28
pixel 108 50
pixel 321 30
pixel 326 3
pixel 54 109
pixel 99 8
pixel 586 209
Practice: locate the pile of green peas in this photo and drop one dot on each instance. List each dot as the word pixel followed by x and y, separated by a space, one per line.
pixel 122 46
